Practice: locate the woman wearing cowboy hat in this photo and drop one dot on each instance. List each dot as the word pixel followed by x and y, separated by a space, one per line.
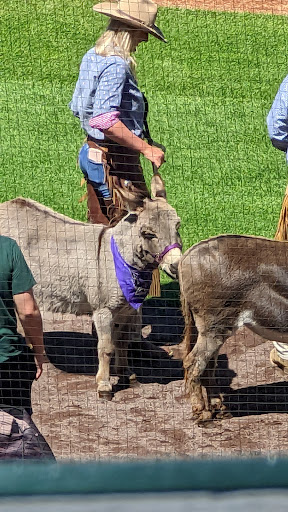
pixel 111 108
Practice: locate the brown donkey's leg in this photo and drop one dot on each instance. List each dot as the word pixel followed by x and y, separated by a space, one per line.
pixel 195 364
pixel 214 396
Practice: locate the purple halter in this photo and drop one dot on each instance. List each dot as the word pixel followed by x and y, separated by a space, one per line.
pixel 159 257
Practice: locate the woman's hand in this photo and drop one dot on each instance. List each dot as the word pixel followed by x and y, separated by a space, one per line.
pixel 39 360
pixel 155 155
pixel 122 135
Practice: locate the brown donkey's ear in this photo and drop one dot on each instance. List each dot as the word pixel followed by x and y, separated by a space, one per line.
pixel 158 186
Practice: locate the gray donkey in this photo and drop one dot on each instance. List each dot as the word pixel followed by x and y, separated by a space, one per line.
pixel 85 268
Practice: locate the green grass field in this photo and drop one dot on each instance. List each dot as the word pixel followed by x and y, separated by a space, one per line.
pixel 209 89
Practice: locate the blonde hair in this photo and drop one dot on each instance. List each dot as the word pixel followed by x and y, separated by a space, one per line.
pixel 118 39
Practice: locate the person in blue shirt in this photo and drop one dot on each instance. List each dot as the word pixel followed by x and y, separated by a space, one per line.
pixel 277 124
pixel 277 119
pixel 111 109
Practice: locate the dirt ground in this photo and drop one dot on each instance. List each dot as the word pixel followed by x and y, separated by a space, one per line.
pixel 154 419
pixel 253 6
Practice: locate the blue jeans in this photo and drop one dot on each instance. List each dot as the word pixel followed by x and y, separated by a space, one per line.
pixel 93 172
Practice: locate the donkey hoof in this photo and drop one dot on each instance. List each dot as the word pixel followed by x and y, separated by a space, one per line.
pixel 133 382
pixel 216 404
pixel 201 416
pixel 224 415
pixel 105 390
pixel 206 415
pixel 197 409
pixel 205 419
pixel 105 395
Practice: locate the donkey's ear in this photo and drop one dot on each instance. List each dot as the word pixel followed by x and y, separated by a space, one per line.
pixel 157 186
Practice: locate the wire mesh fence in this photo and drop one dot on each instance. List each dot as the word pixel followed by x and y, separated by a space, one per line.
pixel 209 91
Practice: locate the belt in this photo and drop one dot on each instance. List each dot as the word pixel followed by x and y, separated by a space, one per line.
pixel 98 141
pixel 109 146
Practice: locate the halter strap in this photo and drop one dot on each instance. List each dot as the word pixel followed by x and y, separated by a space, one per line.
pixel 159 257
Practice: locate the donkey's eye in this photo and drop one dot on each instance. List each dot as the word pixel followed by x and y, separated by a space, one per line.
pixel 149 235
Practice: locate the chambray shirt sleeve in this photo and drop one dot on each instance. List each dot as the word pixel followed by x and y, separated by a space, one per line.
pixel 108 95
pixel 277 119
pixel 106 85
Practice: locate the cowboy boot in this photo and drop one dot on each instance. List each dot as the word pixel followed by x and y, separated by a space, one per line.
pixel 276 360
pixel 95 214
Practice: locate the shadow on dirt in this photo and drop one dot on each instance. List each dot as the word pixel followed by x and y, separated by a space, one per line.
pixel 252 400
pixel 256 400
pixel 75 352
pixel 164 315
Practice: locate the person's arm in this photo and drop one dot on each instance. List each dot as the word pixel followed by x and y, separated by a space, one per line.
pixel 108 97
pixel 31 320
pixel 277 119
pixel 122 135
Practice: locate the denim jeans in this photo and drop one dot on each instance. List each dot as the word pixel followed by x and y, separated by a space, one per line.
pixel 93 172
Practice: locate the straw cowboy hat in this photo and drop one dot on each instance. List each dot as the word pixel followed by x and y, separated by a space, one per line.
pixel 137 13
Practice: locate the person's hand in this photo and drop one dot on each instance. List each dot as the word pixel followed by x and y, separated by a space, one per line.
pixel 155 155
pixel 39 360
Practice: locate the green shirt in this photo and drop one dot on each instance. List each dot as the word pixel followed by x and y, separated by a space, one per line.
pixel 15 278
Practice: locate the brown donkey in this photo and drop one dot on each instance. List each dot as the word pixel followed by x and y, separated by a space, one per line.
pixel 227 282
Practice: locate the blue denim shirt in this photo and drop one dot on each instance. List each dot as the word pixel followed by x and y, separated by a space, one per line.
pixel 106 84
pixel 277 119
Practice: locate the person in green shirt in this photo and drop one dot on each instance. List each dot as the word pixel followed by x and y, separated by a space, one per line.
pixel 21 359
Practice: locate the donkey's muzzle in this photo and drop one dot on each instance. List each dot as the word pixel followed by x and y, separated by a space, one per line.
pixel 171 270
pixel 170 262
